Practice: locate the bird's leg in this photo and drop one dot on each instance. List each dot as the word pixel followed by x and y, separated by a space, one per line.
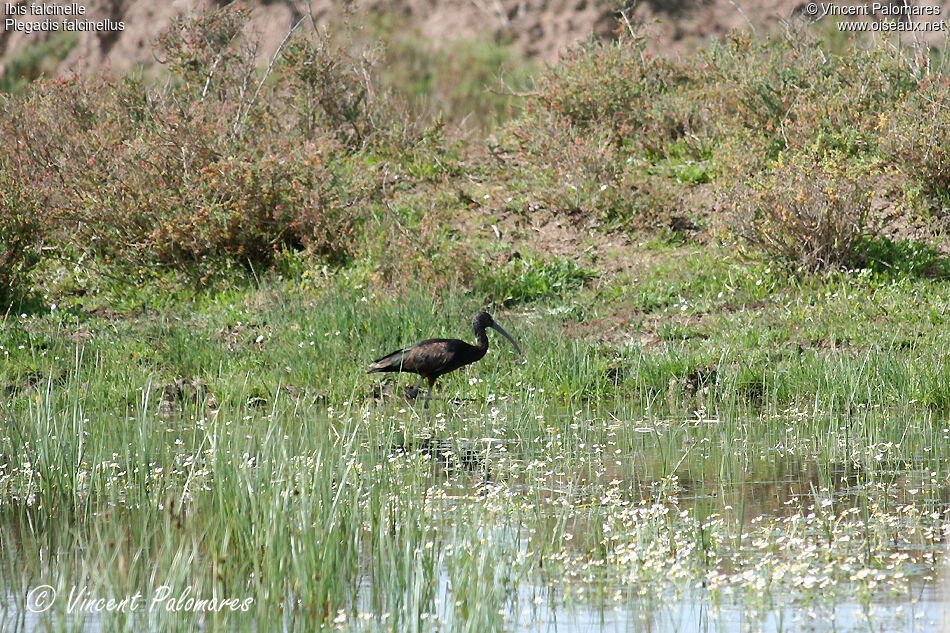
pixel 415 389
pixel 429 392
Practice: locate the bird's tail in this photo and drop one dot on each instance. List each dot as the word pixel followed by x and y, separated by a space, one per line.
pixel 389 362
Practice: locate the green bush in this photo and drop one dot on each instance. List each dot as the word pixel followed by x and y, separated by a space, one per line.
pixel 643 102
pixel 627 138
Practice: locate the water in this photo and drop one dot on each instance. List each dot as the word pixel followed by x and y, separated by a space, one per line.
pixel 510 520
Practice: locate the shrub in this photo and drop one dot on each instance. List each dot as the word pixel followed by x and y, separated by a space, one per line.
pixel 23 224
pixel 620 94
pixel 599 121
pixel 917 137
pixel 642 101
pixel 204 50
pixel 615 133
pixel 807 212
pixel 209 168
pixel 333 89
pixel 791 93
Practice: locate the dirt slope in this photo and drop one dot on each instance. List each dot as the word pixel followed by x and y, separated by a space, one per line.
pixel 541 28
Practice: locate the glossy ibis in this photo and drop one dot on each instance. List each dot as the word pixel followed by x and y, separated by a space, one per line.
pixel 437 356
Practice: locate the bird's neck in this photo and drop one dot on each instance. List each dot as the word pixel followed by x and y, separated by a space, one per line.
pixel 481 340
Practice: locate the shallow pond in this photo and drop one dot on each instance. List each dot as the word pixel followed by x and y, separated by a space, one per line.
pixel 474 517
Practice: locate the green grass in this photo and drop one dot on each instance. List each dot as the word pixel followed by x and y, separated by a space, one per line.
pixel 834 341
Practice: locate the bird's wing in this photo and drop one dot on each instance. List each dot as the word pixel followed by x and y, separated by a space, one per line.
pixel 427 358
pixel 430 358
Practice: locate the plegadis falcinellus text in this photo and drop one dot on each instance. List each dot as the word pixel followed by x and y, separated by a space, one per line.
pixel 438 356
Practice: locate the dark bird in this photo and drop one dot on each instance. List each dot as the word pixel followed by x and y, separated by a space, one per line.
pixel 437 356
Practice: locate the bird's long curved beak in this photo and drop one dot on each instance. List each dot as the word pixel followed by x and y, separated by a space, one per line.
pixel 506 335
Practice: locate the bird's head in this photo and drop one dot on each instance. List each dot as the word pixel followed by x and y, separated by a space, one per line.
pixel 483 320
